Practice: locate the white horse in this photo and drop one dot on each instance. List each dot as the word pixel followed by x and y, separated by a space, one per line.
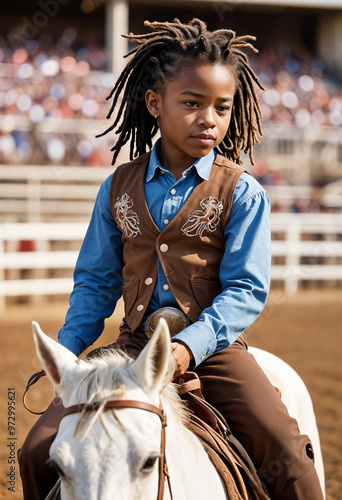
pixel 116 450
pixel 296 398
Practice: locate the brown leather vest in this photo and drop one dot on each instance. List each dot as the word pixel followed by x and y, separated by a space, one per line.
pixel 190 248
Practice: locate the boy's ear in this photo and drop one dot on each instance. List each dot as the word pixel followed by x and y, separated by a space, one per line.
pixel 153 100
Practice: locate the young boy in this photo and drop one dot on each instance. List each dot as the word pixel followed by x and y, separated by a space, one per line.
pixel 185 227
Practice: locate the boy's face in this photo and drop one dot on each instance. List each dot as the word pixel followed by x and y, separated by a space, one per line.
pixel 193 111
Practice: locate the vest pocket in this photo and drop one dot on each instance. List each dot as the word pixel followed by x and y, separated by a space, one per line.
pixel 205 291
pixel 130 294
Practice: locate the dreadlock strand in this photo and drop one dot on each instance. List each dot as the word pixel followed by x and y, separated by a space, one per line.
pixel 118 82
pixel 185 31
pixel 131 83
pixel 133 140
pixel 255 111
pixel 215 52
pixel 253 77
pixel 203 42
pixel 168 27
pixel 119 85
pixel 109 129
pixel 245 40
pixel 142 38
pixel 228 34
pixel 240 117
pixel 252 96
pixel 201 25
pixel 250 136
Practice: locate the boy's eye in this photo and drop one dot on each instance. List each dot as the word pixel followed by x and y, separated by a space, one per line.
pixel 191 104
pixel 223 109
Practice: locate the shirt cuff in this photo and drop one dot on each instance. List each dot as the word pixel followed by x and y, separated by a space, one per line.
pixel 71 342
pixel 199 339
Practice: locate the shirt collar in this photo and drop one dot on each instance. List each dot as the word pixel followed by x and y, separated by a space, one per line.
pixel 202 165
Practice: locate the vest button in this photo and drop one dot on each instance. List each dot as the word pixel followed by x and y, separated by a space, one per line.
pixel 148 281
pixel 140 307
pixel 164 247
pixel 166 286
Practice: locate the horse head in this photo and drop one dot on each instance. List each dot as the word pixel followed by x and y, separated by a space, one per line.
pixel 106 454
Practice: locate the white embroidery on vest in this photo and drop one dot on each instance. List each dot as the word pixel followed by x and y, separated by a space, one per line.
pixel 126 218
pixel 204 220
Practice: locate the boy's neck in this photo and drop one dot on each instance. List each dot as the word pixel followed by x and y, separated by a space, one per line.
pixel 175 163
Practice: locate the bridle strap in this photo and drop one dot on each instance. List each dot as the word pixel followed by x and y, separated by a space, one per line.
pixel 140 405
pixel 122 403
pixel 32 380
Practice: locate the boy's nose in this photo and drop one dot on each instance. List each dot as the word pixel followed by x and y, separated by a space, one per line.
pixel 206 117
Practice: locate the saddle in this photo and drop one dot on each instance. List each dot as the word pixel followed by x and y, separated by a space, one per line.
pixel 231 460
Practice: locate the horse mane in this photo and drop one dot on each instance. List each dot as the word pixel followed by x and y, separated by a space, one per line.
pixel 106 382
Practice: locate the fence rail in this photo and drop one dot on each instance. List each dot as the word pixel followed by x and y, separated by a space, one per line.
pixel 308 246
pixel 305 247
pixel 46 269
pixel 34 193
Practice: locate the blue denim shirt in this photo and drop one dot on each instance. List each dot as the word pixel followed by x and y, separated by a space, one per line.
pixel 244 270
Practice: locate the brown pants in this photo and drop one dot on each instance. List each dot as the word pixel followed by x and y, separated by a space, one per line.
pixel 237 387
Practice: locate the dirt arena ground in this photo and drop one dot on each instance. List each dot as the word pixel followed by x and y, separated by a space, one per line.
pixel 304 330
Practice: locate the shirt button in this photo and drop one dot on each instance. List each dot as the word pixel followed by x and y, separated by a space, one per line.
pixel 148 281
pixel 140 307
pixel 164 247
pixel 166 286
pixel 173 191
pixel 166 221
pixel 202 357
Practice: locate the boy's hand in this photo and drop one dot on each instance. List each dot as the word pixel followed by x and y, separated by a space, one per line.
pixel 182 355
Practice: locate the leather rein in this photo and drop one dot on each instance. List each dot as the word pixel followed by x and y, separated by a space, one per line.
pixel 140 405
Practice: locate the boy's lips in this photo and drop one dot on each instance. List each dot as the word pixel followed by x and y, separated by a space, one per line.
pixel 204 139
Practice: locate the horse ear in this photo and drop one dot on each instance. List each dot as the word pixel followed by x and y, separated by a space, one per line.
pixel 152 366
pixel 55 358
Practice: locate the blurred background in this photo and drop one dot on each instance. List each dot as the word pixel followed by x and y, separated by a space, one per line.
pixel 59 59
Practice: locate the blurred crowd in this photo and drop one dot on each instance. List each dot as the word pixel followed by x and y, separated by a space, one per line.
pixel 298 89
pixel 53 100
pixel 60 80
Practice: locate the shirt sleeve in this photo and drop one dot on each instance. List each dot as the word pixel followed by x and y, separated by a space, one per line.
pixel 97 278
pixel 244 274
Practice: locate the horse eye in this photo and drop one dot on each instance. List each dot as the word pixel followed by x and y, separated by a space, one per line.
pixel 149 463
pixel 54 465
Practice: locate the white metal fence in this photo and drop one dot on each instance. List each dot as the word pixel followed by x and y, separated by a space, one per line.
pixel 306 247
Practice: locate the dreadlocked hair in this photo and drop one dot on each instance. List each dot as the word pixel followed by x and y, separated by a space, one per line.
pixel 158 57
